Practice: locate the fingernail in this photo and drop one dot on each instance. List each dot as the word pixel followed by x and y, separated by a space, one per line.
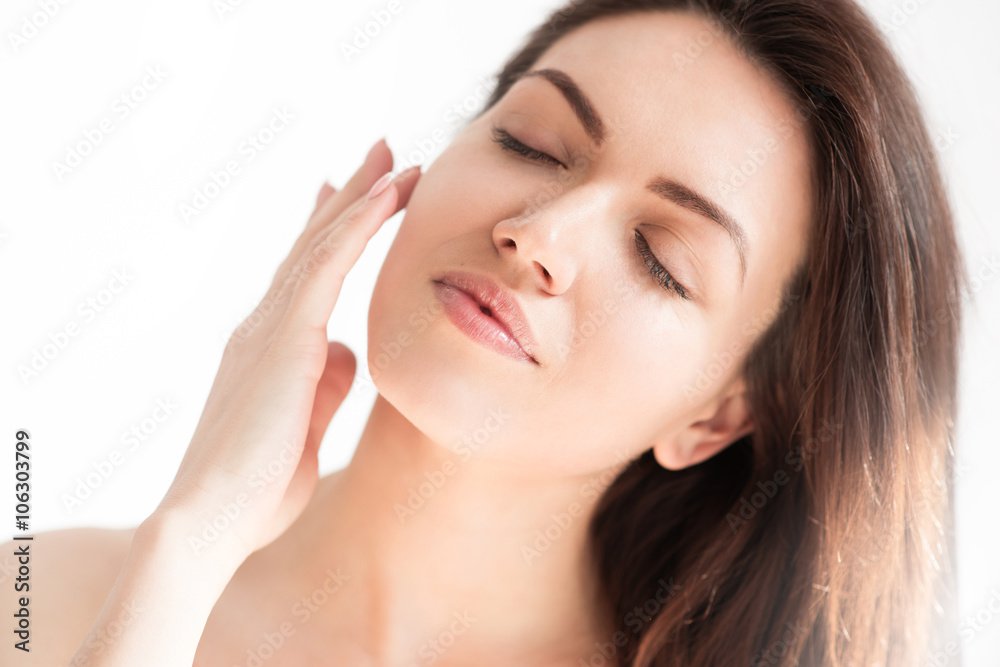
pixel 371 150
pixel 380 185
pixel 406 173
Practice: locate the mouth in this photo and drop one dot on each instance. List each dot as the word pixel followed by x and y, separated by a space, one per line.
pixel 486 313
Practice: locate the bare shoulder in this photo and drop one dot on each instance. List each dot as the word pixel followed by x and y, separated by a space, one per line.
pixel 69 575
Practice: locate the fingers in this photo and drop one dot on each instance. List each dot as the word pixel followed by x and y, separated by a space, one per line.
pixel 336 250
pixel 377 162
pixel 324 193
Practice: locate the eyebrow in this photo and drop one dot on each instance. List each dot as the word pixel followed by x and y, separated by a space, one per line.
pixel 584 110
pixel 666 188
pixel 687 198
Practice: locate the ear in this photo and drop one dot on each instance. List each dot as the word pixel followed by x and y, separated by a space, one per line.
pixel 723 421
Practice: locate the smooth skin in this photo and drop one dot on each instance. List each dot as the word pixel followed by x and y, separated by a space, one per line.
pixel 357 580
pixel 278 386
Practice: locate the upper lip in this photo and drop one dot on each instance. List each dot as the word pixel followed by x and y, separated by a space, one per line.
pixel 503 306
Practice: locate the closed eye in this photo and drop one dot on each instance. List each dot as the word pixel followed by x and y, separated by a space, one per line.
pixel 662 277
pixel 660 274
pixel 509 143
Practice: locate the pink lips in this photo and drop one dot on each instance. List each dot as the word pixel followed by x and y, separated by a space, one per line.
pixel 503 328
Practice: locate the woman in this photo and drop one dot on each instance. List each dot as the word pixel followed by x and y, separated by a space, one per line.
pixel 665 350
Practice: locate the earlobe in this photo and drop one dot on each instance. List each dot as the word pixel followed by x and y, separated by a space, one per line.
pixel 669 455
pixel 705 438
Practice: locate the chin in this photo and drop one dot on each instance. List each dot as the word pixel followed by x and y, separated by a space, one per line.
pixel 443 389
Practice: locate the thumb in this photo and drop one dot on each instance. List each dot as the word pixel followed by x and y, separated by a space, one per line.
pixel 325 192
pixel 331 390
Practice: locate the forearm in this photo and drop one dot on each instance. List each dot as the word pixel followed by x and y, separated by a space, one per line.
pixel 157 610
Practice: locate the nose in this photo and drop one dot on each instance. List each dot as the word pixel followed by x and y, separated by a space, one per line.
pixel 547 242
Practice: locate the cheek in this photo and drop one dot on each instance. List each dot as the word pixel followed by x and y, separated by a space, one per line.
pixel 472 182
pixel 443 207
pixel 649 374
pixel 612 375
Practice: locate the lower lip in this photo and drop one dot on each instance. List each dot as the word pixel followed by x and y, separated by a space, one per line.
pixel 465 313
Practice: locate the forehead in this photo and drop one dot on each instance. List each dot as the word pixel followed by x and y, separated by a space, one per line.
pixel 680 100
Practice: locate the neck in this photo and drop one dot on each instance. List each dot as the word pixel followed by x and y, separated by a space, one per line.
pixel 434 547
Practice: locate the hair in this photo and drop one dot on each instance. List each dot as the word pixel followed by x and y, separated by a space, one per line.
pixel 825 537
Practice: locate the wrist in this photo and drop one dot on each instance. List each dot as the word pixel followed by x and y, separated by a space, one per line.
pixel 206 551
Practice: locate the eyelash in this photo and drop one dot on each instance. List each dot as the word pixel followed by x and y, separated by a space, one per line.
pixel 509 143
pixel 659 273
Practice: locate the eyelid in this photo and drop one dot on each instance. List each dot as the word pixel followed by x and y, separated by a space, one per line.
pixel 688 282
pixel 509 142
pixel 532 131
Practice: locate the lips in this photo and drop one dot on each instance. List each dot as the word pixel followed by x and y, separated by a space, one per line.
pixel 497 303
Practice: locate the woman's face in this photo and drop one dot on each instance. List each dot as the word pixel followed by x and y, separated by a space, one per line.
pixel 677 128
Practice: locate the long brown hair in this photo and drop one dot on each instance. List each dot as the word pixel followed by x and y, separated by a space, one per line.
pixel 825 536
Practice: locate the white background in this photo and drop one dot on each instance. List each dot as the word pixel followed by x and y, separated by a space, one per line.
pixel 161 337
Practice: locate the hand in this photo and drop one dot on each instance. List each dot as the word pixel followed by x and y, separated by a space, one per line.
pixel 252 465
